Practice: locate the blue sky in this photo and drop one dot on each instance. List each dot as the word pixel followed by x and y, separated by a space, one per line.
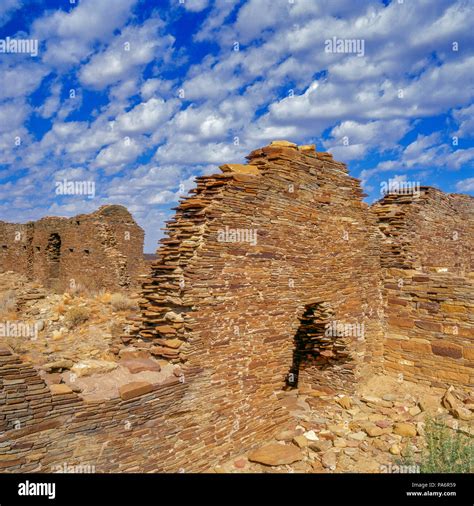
pixel 142 96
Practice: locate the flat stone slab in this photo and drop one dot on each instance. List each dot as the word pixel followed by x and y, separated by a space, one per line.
pixel 275 454
pixel 134 389
pixel 137 365
pixel 57 389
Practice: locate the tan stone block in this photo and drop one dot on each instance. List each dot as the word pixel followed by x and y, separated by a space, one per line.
pixel 240 168
pixel 468 352
pixel 416 345
pixel 134 389
pixel 60 389
pixel 452 308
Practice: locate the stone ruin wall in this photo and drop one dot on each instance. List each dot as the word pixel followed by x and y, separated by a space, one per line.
pixel 99 250
pixel 231 314
pixel 237 315
pixel 427 255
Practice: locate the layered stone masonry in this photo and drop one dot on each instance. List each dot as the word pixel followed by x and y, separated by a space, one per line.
pixel 427 253
pixel 268 269
pixel 99 250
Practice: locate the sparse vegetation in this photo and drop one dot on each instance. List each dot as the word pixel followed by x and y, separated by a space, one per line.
pixel 447 450
pixel 121 302
pixel 77 315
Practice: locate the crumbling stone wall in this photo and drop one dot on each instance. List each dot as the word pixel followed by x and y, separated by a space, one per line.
pixel 427 254
pixel 99 250
pixel 270 277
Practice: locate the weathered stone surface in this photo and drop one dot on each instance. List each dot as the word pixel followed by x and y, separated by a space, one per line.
pixel 140 364
pixel 99 250
pixel 91 366
pixel 60 389
pixel 275 454
pixel 405 429
pixel 239 168
pixel 135 389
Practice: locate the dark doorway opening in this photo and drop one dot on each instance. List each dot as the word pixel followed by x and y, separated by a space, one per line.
pixel 53 257
pixel 316 348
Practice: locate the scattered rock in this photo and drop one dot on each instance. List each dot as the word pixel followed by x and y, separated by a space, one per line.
pixel 275 454
pixel 358 436
pixel 373 430
pixel 329 460
pixel 300 441
pixel 415 410
pixel 140 364
pixel 93 366
pixel 311 435
pixel 395 450
pixel 405 429
pixel 344 402
pixel 456 407
pixel 57 366
pixel 240 463
pixel 285 435
pixel 321 445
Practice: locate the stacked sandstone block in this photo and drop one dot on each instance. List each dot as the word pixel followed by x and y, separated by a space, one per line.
pixel 427 251
pixel 103 249
pixel 233 307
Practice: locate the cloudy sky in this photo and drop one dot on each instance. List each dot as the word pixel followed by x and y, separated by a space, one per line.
pixel 139 97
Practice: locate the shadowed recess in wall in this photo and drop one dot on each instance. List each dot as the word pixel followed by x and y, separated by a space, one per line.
pixel 316 346
pixel 53 252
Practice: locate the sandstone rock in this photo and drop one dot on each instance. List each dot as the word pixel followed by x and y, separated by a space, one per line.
pixel 134 389
pixel 321 445
pixel 58 365
pixel 329 460
pixel 282 143
pixel 60 389
pixel 173 317
pixel 344 402
pixel 358 436
pixel 340 443
pixel 240 168
pixel 170 343
pixel 140 364
pixel 275 454
pixel 300 441
pixel 395 450
pixel 240 463
pixel 456 407
pixel 132 353
pixel 373 430
pixel 415 410
pixel 311 435
pixel 285 435
pixel 89 367
pixel 405 429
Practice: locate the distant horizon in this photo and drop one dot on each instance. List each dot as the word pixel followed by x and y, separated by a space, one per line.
pixel 125 102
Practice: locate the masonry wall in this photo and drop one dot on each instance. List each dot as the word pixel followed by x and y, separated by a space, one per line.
pixel 427 251
pixel 228 311
pixel 100 250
